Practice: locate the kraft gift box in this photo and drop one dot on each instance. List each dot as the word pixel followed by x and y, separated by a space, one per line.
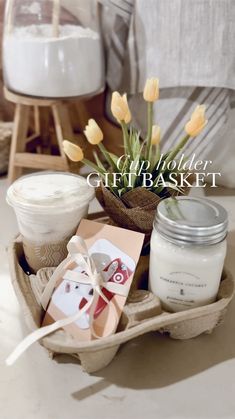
pixel 115 252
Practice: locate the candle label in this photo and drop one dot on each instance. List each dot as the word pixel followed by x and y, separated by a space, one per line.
pixel 182 288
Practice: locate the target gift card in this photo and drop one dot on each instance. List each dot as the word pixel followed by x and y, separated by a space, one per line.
pixel 115 252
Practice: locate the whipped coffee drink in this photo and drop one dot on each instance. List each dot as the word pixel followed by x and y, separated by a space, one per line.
pixel 48 207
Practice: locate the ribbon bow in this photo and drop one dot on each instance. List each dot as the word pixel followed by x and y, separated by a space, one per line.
pixel 92 277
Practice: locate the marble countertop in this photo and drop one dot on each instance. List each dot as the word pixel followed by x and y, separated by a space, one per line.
pixel 152 376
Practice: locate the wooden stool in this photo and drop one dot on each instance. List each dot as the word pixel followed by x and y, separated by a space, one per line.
pixel 19 158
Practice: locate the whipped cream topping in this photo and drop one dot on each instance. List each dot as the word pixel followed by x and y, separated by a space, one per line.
pixel 50 192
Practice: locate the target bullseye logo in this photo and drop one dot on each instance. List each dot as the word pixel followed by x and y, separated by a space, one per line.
pixel 118 277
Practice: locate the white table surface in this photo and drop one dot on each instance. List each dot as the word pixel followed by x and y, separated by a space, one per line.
pixel 151 377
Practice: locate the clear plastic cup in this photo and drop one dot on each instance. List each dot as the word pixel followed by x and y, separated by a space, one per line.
pixel 48 208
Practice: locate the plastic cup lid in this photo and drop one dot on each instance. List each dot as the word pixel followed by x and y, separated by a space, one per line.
pixel 43 191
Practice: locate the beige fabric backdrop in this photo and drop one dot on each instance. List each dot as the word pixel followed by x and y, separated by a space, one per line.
pixel 186 44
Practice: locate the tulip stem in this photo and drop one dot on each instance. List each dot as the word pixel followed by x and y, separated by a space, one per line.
pixel 158 152
pixel 177 149
pixel 150 126
pixel 126 138
pixel 107 156
pixel 173 153
pixel 94 166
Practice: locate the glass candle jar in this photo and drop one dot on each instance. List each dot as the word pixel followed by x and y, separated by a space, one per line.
pixel 188 248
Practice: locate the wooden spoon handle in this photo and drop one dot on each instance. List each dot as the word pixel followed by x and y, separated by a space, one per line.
pixel 56 18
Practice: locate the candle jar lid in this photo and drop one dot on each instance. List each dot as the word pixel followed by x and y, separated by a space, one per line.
pixel 185 220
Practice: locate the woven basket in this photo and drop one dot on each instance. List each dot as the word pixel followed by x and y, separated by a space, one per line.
pixel 140 316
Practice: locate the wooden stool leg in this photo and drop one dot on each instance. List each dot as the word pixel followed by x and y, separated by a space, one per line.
pixel 19 136
pixel 63 126
pixel 44 122
pixel 36 120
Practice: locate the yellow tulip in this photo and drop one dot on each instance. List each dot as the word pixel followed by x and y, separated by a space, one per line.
pixel 197 121
pixel 120 108
pixel 151 90
pixel 156 135
pixel 73 151
pixel 93 132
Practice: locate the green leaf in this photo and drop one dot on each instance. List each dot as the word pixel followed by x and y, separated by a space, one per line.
pixel 171 185
pixel 136 144
pixel 125 165
pixel 158 190
pixel 107 156
pixel 121 191
pixel 134 171
pixel 114 158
